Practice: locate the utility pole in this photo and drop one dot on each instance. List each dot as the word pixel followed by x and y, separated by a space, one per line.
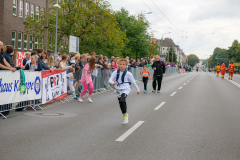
pixel 45 44
pixel 172 54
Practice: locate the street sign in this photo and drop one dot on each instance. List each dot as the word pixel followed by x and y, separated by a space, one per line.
pixel 73 44
pixel 236 64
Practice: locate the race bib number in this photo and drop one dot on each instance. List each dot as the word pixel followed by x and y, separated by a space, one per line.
pixel 118 92
pixel 145 75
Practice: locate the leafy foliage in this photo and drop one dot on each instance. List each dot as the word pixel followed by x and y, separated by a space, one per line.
pixel 135 28
pixel 99 28
pixel 192 60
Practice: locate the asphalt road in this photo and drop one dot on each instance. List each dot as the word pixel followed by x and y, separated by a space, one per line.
pixel 196 116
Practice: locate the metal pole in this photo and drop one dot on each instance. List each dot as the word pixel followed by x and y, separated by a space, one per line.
pixel 161 45
pixel 168 57
pixel 55 55
pixel 172 54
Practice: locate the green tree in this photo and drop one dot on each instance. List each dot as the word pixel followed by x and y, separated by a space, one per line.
pixel 135 28
pixel 192 60
pixel 171 52
pixel 94 24
pixel 205 62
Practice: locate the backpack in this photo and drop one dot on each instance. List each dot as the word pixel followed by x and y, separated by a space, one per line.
pixel 123 76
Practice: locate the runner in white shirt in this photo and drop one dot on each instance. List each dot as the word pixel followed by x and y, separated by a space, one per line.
pixel 122 79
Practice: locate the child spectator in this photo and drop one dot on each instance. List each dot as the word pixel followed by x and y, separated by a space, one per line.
pixel 84 60
pixel 145 74
pixel 87 79
pixel 71 79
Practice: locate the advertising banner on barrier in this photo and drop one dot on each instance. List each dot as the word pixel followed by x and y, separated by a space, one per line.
pixel 54 85
pixel 10 86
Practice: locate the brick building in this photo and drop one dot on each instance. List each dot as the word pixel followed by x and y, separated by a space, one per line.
pixel 12 15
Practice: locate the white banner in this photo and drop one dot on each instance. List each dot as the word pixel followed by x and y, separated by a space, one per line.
pixel 10 86
pixel 73 44
pixel 54 85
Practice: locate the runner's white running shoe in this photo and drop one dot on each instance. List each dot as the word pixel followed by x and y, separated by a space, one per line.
pixel 158 91
pixel 154 91
pixel 125 119
pixel 89 100
pixel 80 100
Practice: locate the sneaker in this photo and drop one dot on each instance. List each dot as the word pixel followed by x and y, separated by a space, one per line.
pixel 80 100
pixel 89 100
pixel 125 119
pixel 158 91
pixel 144 91
pixel 154 91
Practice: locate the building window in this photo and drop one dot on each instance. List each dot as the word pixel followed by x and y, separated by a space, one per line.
pixel 42 13
pixel 37 12
pixel 31 41
pixel 32 10
pixel 20 40
pixel 25 41
pixel 27 10
pixel 15 7
pixel 163 48
pixel 21 8
pixel 36 43
pixel 13 38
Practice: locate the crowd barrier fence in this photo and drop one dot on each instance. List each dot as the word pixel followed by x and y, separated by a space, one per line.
pixel 100 83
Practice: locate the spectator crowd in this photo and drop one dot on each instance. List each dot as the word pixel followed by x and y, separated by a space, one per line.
pixel 74 63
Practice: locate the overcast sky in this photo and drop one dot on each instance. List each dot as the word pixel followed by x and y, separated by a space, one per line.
pixel 199 25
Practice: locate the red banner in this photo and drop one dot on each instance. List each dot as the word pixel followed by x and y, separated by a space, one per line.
pixel 20 57
pixel 182 70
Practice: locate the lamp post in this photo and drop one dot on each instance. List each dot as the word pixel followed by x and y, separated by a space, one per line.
pixel 161 43
pixel 57 6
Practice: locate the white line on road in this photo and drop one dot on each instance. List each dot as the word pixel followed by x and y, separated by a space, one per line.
pixel 130 131
pixel 187 81
pixel 159 106
pixel 184 83
pixel 180 87
pixel 173 93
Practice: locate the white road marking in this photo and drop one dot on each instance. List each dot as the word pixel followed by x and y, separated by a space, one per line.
pixel 187 81
pixel 180 87
pixel 184 83
pixel 130 131
pixel 159 106
pixel 173 93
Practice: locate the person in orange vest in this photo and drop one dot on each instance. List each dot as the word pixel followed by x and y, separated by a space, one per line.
pixel 223 68
pixel 231 69
pixel 218 68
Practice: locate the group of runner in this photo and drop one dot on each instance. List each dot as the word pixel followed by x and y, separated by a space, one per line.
pixel 222 69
